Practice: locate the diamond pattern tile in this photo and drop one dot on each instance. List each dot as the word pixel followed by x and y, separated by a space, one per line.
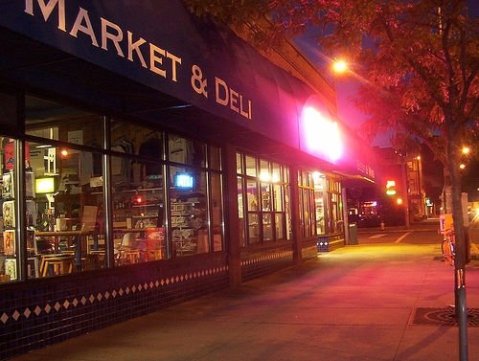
pixel 106 295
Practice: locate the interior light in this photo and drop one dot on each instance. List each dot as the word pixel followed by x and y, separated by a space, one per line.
pixel 317 176
pixel 264 176
pixel 45 185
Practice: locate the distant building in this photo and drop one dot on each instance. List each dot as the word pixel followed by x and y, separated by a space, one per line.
pixel 397 195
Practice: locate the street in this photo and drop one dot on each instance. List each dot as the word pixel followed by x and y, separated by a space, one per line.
pixel 421 233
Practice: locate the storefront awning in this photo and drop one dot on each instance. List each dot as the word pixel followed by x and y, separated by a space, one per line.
pixel 153 60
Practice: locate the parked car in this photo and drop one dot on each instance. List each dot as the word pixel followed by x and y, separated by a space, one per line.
pixel 371 220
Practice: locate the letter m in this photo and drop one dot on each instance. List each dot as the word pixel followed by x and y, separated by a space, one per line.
pixel 47 7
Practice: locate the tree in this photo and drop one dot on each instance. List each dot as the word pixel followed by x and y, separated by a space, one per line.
pixel 419 61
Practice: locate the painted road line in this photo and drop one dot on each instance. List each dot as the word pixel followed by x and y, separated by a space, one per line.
pixel 377 236
pixel 402 237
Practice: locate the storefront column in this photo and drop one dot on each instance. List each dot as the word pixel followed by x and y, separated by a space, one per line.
pixel 295 219
pixel 231 217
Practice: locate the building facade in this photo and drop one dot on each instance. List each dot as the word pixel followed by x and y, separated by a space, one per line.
pixel 150 157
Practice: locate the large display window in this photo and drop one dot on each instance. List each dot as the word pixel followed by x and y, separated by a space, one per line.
pixel 164 193
pixel 167 195
pixel 263 200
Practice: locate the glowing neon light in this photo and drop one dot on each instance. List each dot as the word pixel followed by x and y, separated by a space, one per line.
pixel 184 181
pixel 321 135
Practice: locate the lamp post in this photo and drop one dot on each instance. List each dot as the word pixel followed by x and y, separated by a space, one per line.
pixel 404 186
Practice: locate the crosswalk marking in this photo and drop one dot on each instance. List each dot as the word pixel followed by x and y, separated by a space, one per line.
pixel 377 235
pixel 402 237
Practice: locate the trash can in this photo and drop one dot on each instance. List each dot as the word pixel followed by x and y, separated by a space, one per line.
pixel 353 233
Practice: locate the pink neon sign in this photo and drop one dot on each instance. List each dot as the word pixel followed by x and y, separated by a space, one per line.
pixel 320 135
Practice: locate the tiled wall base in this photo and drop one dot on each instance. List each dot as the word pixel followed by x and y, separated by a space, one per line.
pixel 41 312
pixel 255 265
pixel 309 252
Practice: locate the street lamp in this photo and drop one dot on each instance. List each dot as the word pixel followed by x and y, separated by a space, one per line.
pixel 340 66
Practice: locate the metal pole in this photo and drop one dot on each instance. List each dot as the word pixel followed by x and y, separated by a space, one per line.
pixel 460 296
pixel 344 196
pixel 405 190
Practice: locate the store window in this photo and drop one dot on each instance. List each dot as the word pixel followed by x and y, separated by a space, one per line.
pixel 166 193
pixel 56 121
pixel 189 212
pixel 10 245
pixel 217 223
pixel 320 204
pixel 336 207
pixel 320 187
pixel 64 189
pixel 69 224
pixel 138 211
pixel 167 202
pixel 241 211
pixel 306 201
pixel 263 200
pixel 138 193
pixel 195 194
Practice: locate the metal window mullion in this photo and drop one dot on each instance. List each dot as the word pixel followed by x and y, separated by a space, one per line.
pixel 260 208
pixel 244 195
pixel 167 209
pixel 208 196
pixel 20 205
pixel 222 213
pixel 208 209
pixel 107 194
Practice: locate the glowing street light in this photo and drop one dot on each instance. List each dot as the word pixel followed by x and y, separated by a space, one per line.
pixel 340 66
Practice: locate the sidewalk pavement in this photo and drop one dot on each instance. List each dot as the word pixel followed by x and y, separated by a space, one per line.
pixel 356 303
